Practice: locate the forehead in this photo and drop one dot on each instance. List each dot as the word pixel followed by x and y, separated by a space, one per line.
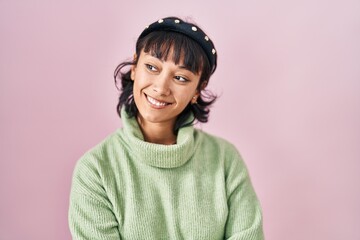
pixel 170 57
pixel 180 65
pixel 175 47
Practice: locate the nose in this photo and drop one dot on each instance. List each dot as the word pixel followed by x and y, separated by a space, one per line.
pixel 161 85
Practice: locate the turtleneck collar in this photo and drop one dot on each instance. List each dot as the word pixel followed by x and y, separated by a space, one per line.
pixel 158 155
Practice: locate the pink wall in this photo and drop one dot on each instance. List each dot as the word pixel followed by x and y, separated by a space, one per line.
pixel 289 80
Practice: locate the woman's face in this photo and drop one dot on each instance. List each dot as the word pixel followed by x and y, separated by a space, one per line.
pixel 162 89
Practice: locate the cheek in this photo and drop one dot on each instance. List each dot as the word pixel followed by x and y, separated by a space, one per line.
pixel 142 78
pixel 137 87
pixel 186 96
pixel 139 82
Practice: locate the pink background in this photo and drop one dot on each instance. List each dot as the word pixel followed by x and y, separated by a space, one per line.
pixel 289 80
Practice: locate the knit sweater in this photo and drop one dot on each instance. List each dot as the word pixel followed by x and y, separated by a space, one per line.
pixel 198 188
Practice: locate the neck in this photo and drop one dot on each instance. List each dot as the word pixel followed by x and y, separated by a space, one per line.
pixel 159 133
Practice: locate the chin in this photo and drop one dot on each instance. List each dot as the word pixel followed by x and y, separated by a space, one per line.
pixel 152 117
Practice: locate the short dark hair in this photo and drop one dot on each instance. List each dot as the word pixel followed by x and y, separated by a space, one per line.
pixel 183 48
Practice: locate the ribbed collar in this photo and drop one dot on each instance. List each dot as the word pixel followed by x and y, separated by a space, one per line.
pixel 158 155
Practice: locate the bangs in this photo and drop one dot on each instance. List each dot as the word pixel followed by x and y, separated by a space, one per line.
pixel 182 49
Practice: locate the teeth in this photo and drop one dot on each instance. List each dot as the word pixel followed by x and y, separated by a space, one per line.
pixel 155 102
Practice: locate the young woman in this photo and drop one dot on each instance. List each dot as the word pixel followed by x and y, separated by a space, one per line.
pixel 158 177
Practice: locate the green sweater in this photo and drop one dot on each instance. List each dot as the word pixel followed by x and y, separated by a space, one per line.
pixel 199 188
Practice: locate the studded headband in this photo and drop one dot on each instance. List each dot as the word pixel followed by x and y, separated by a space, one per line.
pixel 195 33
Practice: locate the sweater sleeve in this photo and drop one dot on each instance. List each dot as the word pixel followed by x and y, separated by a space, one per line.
pixel 90 211
pixel 245 216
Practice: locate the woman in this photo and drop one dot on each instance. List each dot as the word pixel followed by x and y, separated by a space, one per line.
pixel 158 177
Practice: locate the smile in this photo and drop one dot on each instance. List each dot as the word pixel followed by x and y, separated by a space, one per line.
pixel 156 103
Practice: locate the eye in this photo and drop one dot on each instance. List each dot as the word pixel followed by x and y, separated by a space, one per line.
pixel 151 67
pixel 181 79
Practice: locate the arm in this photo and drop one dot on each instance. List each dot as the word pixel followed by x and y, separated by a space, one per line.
pixel 245 217
pixel 90 211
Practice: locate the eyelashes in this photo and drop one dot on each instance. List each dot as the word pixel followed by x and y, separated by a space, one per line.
pixel 151 67
pixel 181 79
pixel 178 78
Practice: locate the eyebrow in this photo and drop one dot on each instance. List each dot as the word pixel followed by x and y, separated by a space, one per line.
pixel 186 68
pixel 180 66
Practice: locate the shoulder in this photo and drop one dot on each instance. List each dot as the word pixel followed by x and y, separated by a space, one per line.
pixel 96 163
pixel 216 143
pixel 221 149
pixel 235 169
pixel 100 152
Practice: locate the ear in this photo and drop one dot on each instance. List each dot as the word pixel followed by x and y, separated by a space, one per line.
pixel 197 93
pixel 132 74
pixel 195 97
pixel 133 68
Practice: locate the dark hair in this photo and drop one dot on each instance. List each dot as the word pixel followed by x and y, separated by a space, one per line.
pixel 183 48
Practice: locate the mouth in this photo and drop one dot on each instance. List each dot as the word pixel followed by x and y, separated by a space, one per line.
pixel 156 103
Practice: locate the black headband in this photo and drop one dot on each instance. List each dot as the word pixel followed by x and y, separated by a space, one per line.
pixel 192 31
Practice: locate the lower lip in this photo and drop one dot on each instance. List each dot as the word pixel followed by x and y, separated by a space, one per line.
pixel 156 106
